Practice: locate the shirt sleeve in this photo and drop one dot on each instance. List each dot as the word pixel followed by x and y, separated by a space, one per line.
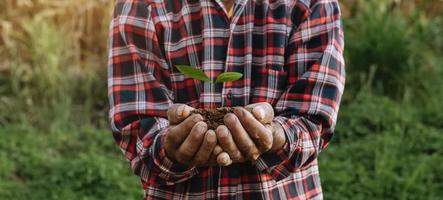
pixel 308 108
pixel 138 94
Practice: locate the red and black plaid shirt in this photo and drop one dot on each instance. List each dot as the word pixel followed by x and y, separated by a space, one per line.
pixel 290 52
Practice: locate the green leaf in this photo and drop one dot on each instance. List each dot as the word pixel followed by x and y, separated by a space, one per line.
pixel 228 76
pixel 193 72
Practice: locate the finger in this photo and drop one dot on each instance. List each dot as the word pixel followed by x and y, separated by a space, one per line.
pixel 243 141
pixel 213 159
pixel 223 159
pixel 178 133
pixel 217 150
pixel 227 143
pixel 263 112
pixel 170 149
pixel 256 130
pixel 192 143
pixel 178 112
pixel 278 137
pixel 205 151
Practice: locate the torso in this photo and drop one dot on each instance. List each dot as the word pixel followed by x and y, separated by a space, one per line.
pixel 252 42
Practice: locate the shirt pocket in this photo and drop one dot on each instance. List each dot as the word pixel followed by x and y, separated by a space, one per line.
pixel 267 85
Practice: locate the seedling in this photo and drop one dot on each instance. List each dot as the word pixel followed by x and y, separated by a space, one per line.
pixel 213 117
pixel 198 74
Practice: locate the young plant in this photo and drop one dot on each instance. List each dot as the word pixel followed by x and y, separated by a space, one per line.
pixel 200 75
pixel 213 117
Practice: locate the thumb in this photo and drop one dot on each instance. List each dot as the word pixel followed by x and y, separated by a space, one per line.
pixel 178 112
pixel 263 112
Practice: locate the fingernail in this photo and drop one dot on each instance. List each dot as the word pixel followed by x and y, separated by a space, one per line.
pixel 224 159
pixel 201 127
pixel 217 150
pixel 230 118
pixel 180 110
pixel 222 131
pixel 259 112
pixel 187 111
pixel 211 137
pixel 237 155
pixel 197 118
pixel 238 111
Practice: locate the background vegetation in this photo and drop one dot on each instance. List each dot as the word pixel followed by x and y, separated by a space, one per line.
pixel 55 142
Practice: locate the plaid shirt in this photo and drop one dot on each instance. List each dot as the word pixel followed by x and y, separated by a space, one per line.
pixel 290 52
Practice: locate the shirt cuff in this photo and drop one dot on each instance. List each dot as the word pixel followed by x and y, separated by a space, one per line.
pixel 268 161
pixel 169 171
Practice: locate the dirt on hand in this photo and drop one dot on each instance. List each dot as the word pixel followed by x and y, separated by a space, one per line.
pixel 214 117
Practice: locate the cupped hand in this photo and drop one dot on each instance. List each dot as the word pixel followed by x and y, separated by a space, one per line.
pixel 249 132
pixel 188 140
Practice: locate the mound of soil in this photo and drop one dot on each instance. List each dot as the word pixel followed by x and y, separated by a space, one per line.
pixel 214 117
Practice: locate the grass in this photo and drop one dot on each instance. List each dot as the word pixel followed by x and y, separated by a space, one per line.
pixel 80 164
pixel 381 151
pixel 388 137
pixel 55 141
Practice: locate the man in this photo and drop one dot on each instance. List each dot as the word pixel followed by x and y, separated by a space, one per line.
pixel 290 53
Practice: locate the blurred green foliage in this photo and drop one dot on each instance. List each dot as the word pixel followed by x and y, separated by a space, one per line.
pixel 390 129
pixel 55 143
pixel 76 164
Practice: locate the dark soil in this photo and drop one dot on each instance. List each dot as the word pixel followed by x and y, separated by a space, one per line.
pixel 214 117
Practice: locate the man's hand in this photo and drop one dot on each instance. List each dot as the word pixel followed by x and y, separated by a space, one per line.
pixel 249 134
pixel 188 140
